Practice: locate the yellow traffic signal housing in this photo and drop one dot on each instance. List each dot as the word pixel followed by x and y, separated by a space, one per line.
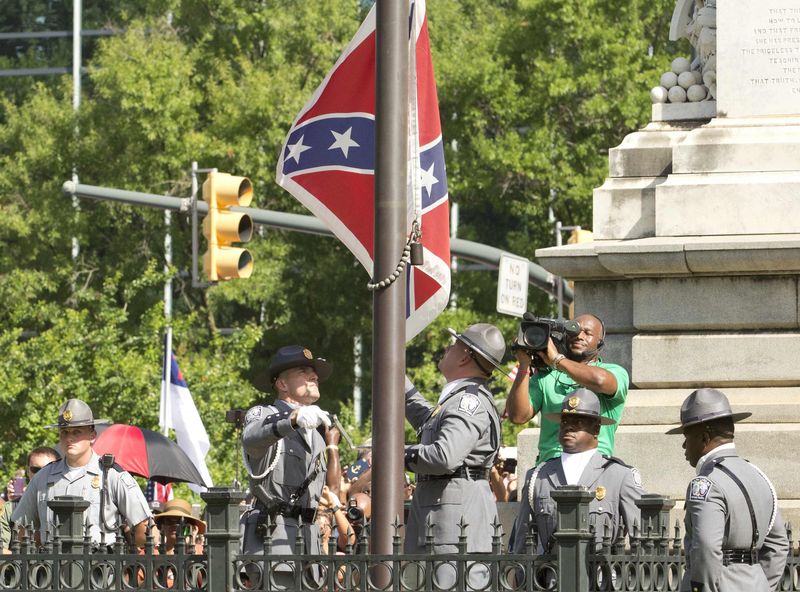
pixel 580 235
pixel 222 227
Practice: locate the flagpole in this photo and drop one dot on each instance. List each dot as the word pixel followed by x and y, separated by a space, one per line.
pixel 166 381
pixel 389 303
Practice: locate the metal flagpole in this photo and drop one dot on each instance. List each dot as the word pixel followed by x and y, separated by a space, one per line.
pixel 165 413
pixel 388 350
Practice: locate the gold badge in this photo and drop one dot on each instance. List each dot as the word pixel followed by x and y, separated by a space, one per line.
pixel 96 481
pixel 600 492
pixel 67 415
pixel 573 402
pixel 436 411
pixel 308 354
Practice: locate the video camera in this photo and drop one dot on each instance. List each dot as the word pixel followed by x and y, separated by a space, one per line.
pixel 535 332
pixel 353 512
pixel 236 417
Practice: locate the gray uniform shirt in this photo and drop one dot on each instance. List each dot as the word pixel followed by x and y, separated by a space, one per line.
pixel 612 512
pixel 269 440
pixel 463 430
pixel 125 499
pixel 717 518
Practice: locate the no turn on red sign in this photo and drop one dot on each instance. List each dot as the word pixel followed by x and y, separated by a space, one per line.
pixel 512 285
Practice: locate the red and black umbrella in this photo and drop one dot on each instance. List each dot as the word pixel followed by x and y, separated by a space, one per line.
pixel 146 453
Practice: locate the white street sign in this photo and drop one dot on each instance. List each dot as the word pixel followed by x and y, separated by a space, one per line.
pixel 512 285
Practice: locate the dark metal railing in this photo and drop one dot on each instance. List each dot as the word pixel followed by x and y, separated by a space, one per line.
pixel 652 560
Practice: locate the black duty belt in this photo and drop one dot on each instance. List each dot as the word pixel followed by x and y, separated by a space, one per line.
pixel 289 511
pixel 747 556
pixel 473 473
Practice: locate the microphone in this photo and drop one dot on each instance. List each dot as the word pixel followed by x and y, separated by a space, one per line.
pixel 591 353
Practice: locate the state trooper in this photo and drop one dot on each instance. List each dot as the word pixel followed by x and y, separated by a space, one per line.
pixel 112 491
pixel 283 454
pixel 735 537
pixel 616 486
pixel 458 441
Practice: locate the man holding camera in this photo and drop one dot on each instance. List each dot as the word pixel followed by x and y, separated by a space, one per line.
pixel 283 456
pixel 579 366
pixel 459 439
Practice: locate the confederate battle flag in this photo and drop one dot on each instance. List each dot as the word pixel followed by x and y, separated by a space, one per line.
pixel 328 163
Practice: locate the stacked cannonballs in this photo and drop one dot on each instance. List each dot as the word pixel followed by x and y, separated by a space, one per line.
pixel 680 84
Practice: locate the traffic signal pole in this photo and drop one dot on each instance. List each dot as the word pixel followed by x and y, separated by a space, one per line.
pixel 469 250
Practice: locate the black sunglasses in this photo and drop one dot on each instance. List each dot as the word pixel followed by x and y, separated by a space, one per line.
pixel 34 470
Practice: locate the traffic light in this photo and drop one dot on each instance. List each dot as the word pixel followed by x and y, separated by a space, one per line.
pixel 580 235
pixel 222 227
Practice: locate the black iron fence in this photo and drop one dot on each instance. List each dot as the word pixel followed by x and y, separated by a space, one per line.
pixel 651 561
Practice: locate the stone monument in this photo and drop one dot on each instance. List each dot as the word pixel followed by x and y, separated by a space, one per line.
pixel 695 263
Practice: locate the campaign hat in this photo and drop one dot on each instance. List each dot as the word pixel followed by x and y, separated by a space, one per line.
pixel 75 413
pixel 580 402
pixel 297 356
pixel 485 340
pixel 706 404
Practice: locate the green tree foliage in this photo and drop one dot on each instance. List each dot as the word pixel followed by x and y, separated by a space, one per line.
pixel 532 93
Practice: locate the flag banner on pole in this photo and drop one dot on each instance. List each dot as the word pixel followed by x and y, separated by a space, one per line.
pixel 158 492
pixel 179 413
pixel 328 163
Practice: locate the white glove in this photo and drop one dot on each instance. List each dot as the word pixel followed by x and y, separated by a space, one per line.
pixel 311 416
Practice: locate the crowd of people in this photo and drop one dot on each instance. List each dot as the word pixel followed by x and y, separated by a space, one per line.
pixel 734 534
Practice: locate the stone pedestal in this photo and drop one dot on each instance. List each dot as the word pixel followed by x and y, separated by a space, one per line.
pixel 695 266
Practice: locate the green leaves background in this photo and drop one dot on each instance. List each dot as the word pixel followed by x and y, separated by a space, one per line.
pixel 532 94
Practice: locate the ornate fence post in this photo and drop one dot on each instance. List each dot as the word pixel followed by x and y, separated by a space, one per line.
pixel 68 515
pixel 68 511
pixel 655 510
pixel 222 536
pixel 572 536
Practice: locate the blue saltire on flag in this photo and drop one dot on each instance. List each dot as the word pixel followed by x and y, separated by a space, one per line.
pixel 328 163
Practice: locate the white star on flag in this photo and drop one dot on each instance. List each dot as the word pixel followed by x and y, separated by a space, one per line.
pixel 343 141
pixel 427 179
pixel 295 150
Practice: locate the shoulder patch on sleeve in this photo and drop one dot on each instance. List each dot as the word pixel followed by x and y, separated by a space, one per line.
pixel 254 413
pixel 127 480
pixel 699 488
pixel 469 404
pixel 637 478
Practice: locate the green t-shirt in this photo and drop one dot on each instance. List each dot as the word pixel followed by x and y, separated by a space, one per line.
pixel 547 391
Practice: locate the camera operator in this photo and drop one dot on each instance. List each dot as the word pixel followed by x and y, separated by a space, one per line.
pixel 283 455
pixel 579 366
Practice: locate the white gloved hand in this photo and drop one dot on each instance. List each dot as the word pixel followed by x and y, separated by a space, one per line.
pixel 310 416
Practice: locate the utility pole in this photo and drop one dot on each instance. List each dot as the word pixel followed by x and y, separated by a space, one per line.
pixel 77 58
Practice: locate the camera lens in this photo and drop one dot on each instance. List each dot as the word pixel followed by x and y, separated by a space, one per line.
pixel 535 336
pixel 354 514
